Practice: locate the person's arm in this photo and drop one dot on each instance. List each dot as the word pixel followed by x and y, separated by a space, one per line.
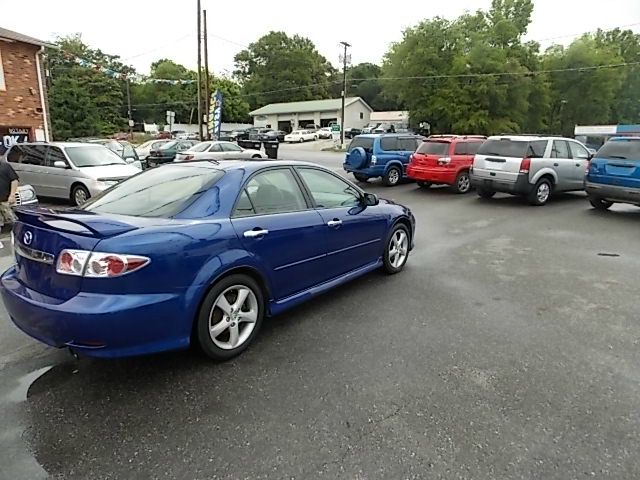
pixel 12 194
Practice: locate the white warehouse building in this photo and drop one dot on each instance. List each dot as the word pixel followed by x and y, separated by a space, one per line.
pixel 293 115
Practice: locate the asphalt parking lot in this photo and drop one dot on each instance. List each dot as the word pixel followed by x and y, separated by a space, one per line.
pixel 508 348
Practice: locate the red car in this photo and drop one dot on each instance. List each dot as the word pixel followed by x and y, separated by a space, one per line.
pixel 445 160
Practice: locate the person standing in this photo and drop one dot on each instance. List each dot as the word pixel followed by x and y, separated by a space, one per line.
pixel 8 189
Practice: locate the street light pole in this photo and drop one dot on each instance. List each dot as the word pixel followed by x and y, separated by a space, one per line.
pixel 199 76
pixel 344 91
pixel 207 100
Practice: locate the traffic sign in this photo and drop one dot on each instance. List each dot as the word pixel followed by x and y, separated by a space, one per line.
pixel 335 127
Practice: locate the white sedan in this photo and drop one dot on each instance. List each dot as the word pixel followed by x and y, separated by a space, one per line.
pixel 217 150
pixel 299 136
pixel 144 150
pixel 325 132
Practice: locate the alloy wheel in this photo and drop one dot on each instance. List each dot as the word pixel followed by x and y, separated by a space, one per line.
pixel 233 317
pixel 398 248
pixel 543 192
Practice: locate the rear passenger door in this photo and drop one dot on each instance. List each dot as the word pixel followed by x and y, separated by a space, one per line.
pixel 32 171
pixel 59 180
pixel 563 164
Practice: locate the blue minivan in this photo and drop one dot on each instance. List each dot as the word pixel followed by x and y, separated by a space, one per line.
pixel 381 155
pixel 613 175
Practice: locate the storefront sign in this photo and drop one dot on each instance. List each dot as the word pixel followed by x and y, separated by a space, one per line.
pixel 13 135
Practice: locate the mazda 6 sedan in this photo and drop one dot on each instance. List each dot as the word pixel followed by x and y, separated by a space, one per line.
pixel 195 252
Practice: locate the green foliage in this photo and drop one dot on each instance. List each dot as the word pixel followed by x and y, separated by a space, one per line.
pixel 235 108
pixel 363 81
pixel 279 68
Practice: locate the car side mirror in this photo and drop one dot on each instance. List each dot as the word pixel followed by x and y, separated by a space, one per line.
pixel 59 164
pixel 590 156
pixel 371 199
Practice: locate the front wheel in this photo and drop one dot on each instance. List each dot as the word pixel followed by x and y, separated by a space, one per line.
pixel 361 178
pixel 79 195
pixel 600 203
pixel 396 251
pixel 392 177
pixel 463 183
pixel 230 317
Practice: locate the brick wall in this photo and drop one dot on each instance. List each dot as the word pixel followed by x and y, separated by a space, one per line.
pixel 20 104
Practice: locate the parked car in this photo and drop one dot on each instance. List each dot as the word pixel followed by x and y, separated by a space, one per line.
pixel 531 166
pixel 272 136
pixel 195 252
pixel 256 133
pixel 123 149
pixel 179 134
pixel 613 174
pixel 167 152
pixel 75 171
pixel 163 135
pixel 325 132
pixel 240 135
pixel 299 136
pixel 216 150
pixel 445 160
pixel 352 132
pixel 144 150
pixel 26 196
pixel 380 155
pixel 193 136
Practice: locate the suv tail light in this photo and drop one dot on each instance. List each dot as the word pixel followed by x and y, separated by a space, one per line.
pixel 525 165
pixel 98 264
pixel 444 160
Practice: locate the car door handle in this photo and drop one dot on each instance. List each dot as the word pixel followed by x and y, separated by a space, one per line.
pixel 334 223
pixel 555 164
pixel 255 233
pixel 578 164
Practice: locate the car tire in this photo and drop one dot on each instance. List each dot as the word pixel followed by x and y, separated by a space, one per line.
pixel 463 183
pixel 301 140
pixel 399 239
pixel 361 178
pixel 220 347
pixel 424 184
pixel 482 193
pixel 392 177
pixel 256 157
pixel 600 203
pixel 540 193
pixel 79 195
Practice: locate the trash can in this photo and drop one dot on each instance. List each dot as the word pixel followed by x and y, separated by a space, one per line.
pixel 271 149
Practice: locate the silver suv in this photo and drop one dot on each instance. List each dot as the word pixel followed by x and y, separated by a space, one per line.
pixel 530 166
pixel 75 171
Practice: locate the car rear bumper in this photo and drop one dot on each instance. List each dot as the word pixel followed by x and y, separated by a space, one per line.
pixel 99 325
pixel 520 186
pixel 371 171
pixel 445 176
pixel 613 193
pixel 153 161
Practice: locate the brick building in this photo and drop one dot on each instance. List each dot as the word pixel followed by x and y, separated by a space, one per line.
pixel 23 103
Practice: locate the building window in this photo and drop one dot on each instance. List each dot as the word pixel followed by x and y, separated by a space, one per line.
pixel 361 115
pixel 3 86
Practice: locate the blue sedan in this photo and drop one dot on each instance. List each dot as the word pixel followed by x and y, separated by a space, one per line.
pixel 195 252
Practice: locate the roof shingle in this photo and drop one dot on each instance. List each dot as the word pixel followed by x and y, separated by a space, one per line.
pixel 19 37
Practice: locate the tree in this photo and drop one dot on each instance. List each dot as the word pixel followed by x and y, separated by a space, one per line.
pixel 280 68
pixel 235 108
pixel 363 81
pixel 94 86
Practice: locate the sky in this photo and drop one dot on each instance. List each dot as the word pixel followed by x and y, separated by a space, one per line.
pixel 142 31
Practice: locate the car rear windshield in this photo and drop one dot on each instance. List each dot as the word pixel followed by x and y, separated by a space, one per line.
pixel 364 142
pixel 168 145
pixel 201 147
pixel 620 149
pixel 506 147
pixel 433 148
pixel 160 192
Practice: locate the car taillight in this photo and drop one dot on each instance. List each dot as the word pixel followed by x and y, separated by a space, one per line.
pixel 98 264
pixel 189 157
pixel 525 165
pixel 411 158
pixel 444 160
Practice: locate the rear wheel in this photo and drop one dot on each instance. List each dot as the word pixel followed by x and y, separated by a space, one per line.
pixel 79 195
pixel 482 193
pixel 396 250
pixel 600 203
pixel 463 183
pixel 392 177
pixel 424 184
pixel 360 177
pixel 541 192
pixel 230 317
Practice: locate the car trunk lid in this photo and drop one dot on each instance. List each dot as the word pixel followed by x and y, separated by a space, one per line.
pixel 41 234
pixel 500 159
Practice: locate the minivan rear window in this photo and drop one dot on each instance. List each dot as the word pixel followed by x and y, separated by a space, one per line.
pixel 364 142
pixel 160 192
pixel 621 150
pixel 506 147
pixel 433 148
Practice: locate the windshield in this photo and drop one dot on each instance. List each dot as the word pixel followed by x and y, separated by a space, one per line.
pixel 201 147
pixel 93 156
pixel 364 142
pixel 433 148
pixel 620 149
pixel 168 146
pixel 159 192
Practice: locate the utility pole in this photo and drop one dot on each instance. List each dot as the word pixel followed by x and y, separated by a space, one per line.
pixel 344 91
pixel 129 110
pixel 207 101
pixel 199 75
